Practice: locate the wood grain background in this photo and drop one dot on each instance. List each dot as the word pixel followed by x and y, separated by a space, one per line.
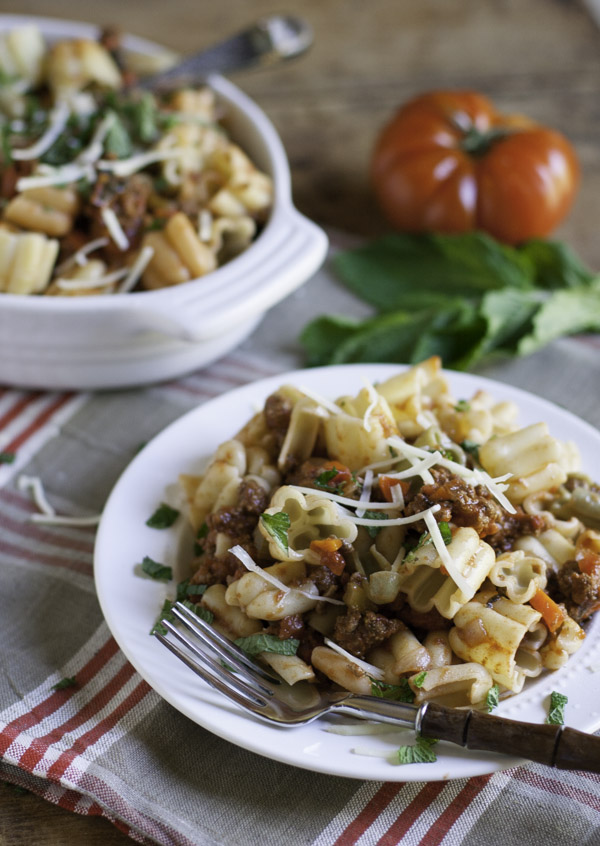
pixel 539 57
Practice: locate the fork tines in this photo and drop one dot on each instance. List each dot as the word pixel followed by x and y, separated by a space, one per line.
pixel 216 659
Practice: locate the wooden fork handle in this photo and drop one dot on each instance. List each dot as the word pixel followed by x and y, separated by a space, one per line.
pixel 556 746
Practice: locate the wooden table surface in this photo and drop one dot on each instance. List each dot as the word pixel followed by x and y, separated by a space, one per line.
pixel 538 57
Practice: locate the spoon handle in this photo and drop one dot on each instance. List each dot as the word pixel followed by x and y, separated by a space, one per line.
pixel 269 40
pixel 556 746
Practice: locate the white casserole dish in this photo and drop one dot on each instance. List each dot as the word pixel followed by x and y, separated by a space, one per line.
pixel 132 339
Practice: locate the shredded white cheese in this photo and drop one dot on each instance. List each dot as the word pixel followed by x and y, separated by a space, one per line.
pixel 394 521
pixel 322 401
pixel 364 728
pixel 445 557
pixel 419 468
pixel 34 485
pixel 90 284
pixel 137 269
pixel 475 477
pixel 397 496
pixel 373 400
pixel 127 167
pixel 365 494
pixel 249 563
pixel 205 220
pixel 48 176
pixel 115 230
pixel 63 520
pixel 80 257
pixel 96 146
pixel 344 500
pixel 57 120
pixel 48 514
pixel 370 669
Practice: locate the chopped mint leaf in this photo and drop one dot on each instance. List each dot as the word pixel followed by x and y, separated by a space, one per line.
pixel 185 589
pixel 155 570
pixel 477 299
pixel 446 532
pixel 163 517
pixel 200 535
pixel 324 478
pixel 419 679
pixel 199 611
pixel 493 698
pixel 423 541
pixel 117 141
pixel 257 643
pixel 556 709
pixel 5 145
pixel 472 448
pixel 165 614
pixel 374 515
pixel 144 116
pixel 421 752
pixel 277 526
pixel 396 692
pixel 69 681
pixel 7 457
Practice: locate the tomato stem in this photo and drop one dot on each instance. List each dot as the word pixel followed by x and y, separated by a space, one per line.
pixel 477 143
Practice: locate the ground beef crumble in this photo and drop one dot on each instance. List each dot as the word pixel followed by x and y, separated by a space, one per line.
pixel 277 411
pixel 473 507
pixel 358 632
pixel 310 470
pixel 579 592
pixel 238 522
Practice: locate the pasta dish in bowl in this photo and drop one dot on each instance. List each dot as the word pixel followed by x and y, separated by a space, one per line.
pixel 398 533
pixel 179 200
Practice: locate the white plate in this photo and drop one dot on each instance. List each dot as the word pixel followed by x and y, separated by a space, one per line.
pixel 131 604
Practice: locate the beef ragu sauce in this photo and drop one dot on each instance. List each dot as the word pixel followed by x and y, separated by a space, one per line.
pixel 426 556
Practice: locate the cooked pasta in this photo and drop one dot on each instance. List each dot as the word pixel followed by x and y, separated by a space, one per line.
pixel 374 549
pixel 152 181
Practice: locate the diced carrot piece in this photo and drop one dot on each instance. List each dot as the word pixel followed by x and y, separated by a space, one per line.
pixel 327 550
pixel 552 614
pixel 344 473
pixel 589 562
pixel 386 483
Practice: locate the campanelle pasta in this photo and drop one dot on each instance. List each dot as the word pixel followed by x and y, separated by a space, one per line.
pixel 374 547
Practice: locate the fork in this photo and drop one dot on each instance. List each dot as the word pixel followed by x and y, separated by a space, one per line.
pixel 257 690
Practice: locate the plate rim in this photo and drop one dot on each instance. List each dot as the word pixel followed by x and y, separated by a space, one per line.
pixel 476 764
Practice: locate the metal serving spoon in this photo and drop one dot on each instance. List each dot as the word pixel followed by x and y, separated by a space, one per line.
pixel 270 40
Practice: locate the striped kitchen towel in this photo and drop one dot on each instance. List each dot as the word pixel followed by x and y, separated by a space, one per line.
pixel 107 744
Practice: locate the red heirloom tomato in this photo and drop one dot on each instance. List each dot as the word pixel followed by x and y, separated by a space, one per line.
pixel 448 162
